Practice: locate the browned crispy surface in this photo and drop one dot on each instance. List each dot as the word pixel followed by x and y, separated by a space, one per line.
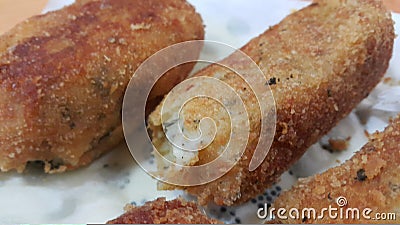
pixel 63 75
pixel 160 211
pixel 321 62
pixel 370 179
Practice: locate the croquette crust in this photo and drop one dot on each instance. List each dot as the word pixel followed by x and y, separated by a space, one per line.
pixel 160 211
pixel 63 75
pixel 370 179
pixel 321 61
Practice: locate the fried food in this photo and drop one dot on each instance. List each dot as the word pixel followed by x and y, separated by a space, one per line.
pixel 160 211
pixel 63 76
pixel 320 61
pixel 370 179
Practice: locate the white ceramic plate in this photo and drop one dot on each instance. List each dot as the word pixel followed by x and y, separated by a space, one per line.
pixel 98 193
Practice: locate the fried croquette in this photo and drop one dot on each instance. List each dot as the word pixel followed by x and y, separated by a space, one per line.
pixel 160 211
pixel 63 76
pixel 320 62
pixel 369 180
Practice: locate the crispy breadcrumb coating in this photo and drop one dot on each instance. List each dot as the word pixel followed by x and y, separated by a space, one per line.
pixel 370 179
pixel 160 211
pixel 320 61
pixel 63 76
